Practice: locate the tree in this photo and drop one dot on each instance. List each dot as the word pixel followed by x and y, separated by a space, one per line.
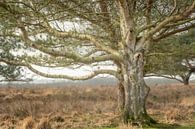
pixel 174 58
pixel 116 32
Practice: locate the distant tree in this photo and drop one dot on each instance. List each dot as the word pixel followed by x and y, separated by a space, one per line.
pixel 109 32
pixel 174 58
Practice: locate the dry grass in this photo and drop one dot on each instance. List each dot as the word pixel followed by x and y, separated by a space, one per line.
pixel 87 106
pixel 27 123
pixel 44 124
pixel 175 102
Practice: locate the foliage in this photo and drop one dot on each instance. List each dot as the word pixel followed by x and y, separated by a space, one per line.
pixel 172 55
pixel 9 72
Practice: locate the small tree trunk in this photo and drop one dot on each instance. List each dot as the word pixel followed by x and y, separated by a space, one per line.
pixel 121 96
pixel 186 81
pixel 187 78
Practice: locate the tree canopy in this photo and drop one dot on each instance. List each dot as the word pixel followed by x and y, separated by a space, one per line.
pixel 86 32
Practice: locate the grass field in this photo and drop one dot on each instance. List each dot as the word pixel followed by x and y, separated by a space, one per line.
pixel 91 107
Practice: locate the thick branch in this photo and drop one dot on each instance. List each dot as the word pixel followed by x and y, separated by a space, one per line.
pixel 173 32
pixel 84 77
pixel 181 22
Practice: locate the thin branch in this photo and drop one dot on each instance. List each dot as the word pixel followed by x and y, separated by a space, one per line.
pixel 165 76
pixel 174 7
pixel 146 27
pixel 160 53
pixel 16 80
pixel 148 11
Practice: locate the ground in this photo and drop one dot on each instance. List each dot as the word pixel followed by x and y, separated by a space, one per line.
pixel 91 107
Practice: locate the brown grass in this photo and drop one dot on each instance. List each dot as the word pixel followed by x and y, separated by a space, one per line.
pixel 87 106
pixel 44 124
pixel 27 123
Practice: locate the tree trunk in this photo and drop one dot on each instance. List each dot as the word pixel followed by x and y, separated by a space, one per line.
pixel 132 50
pixel 135 90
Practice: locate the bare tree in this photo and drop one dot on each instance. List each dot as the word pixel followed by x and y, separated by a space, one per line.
pixel 116 32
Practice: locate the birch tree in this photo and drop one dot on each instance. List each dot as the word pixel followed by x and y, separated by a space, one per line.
pixel 115 32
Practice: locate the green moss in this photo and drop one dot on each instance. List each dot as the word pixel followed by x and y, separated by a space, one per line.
pixel 144 120
pixel 156 126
